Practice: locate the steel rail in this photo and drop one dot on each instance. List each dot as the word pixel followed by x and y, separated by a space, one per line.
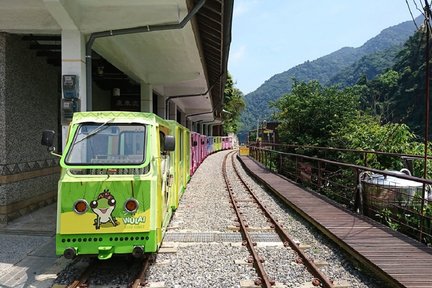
pixel 84 277
pixel 266 282
pixel 286 238
pixel 140 278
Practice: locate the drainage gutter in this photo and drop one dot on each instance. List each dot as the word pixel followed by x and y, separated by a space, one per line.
pixel 140 29
pixel 168 99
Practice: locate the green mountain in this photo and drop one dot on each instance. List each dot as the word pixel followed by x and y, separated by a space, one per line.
pixel 343 67
pixel 402 89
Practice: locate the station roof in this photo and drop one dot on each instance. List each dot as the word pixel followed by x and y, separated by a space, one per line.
pixel 187 61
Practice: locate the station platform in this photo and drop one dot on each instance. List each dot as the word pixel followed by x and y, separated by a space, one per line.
pixel 27 254
pixel 396 258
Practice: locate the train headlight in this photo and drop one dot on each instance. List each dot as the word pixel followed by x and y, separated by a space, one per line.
pixel 80 206
pixel 131 205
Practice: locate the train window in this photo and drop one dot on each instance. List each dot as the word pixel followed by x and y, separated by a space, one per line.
pixel 107 144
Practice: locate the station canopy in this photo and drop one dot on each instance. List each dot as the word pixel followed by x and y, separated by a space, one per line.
pixel 179 62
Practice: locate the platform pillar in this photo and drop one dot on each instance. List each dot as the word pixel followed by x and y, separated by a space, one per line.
pixel 73 63
pixel 161 106
pixel 172 111
pixel 146 97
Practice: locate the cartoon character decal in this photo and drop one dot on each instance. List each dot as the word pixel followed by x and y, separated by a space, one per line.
pixel 103 208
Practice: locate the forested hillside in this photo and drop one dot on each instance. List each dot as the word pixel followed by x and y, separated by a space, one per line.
pixel 400 91
pixel 344 67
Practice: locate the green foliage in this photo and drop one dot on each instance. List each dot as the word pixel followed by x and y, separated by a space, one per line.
pixel 366 68
pixel 365 132
pixel 386 216
pixel 398 94
pixel 311 114
pixel 409 97
pixel 233 105
pixel 326 116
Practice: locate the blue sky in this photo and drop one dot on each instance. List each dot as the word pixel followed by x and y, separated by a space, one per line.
pixel 271 36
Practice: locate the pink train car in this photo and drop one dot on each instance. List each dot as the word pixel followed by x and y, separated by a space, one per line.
pixel 227 143
pixel 203 147
pixel 195 152
pixel 230 143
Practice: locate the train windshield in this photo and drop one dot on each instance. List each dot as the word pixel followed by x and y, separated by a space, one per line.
pixel 107 144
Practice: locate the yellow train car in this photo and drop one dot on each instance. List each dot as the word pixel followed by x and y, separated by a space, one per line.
pixel 181 163
pixel 122 176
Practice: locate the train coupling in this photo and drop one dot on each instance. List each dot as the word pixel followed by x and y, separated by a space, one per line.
pixel 105 252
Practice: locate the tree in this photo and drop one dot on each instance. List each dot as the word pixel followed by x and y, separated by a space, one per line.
pixel 365 132
pixel 376 95
pixel 233 105
pixel 311 114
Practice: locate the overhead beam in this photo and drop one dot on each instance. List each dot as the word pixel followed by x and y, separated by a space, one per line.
pixel 62 15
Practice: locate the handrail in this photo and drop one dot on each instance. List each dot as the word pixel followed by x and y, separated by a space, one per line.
pixel 348 165
pixel 402 207
pixel 346 150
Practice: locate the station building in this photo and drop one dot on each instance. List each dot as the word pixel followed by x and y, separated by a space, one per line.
pixel 57 57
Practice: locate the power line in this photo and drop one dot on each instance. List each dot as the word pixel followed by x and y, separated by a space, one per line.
pixel 412 16
pixel 421 11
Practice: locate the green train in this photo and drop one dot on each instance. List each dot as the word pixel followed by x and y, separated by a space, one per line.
pixel 123 174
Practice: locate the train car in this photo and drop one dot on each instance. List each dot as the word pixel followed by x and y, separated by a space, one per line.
pixel 209 145
pixel 186 151
pixel 203 147
pixel 181 160
pixel 230 142
pixel 199 150
pixel 195 151
pixel 117 188
pixel 217 143
pixel 225 143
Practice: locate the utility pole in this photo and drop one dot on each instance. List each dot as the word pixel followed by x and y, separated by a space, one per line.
pixel 427 101
pixel 257 133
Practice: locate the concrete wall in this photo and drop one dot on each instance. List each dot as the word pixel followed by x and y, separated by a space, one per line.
pixel 29 101
pixel 2 100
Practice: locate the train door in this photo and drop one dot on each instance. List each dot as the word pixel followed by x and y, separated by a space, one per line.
pixel 192 153
pixel 186 152
pixel 203 147
pixel 181 163
pixel 165 173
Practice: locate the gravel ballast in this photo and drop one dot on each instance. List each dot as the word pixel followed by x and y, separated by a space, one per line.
pixel 205 207
pixel 207 249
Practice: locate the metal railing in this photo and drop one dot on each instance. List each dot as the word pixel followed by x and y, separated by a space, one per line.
pixel 363 156
pixel 396 199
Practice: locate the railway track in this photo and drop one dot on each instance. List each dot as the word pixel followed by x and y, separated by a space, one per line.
pixel 209 251
pixel 84 279
pixel 318 278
